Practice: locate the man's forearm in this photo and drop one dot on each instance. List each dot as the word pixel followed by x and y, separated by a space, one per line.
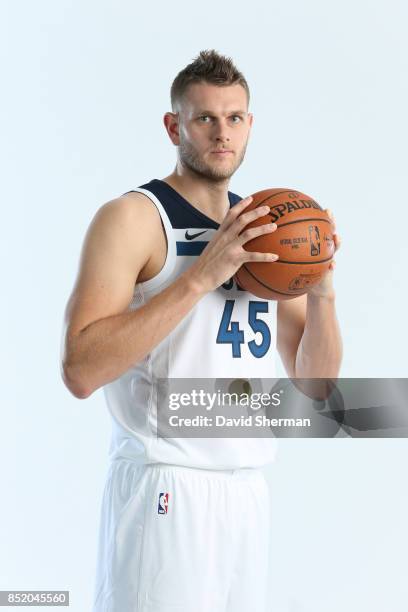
pixel 320 350
pixel 107 348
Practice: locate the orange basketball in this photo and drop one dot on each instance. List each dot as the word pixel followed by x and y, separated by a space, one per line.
pixel 303 240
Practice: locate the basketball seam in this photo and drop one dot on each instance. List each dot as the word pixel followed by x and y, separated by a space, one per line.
pixel 302 221
pixel 313 263
pixel 269 197
pixel 265 285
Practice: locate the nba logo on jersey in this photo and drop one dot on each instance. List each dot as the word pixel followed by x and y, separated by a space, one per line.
pixel 163 503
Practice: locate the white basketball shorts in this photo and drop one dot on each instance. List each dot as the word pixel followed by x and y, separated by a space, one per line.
pixel 181 539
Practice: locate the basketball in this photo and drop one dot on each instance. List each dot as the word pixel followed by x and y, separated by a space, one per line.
pixel 303 240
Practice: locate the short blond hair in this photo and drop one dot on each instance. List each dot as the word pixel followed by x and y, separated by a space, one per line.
pixel 209 67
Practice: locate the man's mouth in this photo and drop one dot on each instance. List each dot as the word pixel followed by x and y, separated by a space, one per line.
pixel 222 152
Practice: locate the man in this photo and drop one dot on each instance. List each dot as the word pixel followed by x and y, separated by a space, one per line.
pixel 184 523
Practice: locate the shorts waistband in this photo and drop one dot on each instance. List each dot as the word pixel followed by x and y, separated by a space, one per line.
pixel 224 474
pixel 242 473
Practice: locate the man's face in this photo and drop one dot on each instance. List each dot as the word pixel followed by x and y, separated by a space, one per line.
pixel 214 127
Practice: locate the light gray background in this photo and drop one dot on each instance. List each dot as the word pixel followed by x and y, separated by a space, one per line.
pixel 84 88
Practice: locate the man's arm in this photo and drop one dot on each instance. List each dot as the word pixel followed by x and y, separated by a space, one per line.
pixel 308 337
pixel 101 338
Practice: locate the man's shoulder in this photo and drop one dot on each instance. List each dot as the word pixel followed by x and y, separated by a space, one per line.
pixel 129 198
pixel 130 208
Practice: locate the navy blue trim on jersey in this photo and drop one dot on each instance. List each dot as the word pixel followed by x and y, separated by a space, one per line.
pixel 190 248
pixel 181 213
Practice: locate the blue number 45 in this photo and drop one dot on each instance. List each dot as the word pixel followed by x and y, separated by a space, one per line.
pixel 229 331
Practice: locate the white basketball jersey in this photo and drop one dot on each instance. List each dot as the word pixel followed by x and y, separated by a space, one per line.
pixel 228 334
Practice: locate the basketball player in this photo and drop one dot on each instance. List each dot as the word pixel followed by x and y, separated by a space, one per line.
pixel 184 521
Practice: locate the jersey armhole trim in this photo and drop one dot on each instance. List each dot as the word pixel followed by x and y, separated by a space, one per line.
pixel 170 260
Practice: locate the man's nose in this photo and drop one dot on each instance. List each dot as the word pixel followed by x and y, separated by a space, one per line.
pixel 222 132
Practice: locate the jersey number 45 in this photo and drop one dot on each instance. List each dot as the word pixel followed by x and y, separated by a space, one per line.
pixel 229 331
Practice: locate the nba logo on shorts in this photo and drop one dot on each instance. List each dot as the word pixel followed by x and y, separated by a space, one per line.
pixel 163 503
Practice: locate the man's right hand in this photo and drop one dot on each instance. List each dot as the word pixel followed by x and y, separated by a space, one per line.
pixel 224 254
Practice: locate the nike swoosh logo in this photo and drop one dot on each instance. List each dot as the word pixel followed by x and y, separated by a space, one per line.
pixel 192 236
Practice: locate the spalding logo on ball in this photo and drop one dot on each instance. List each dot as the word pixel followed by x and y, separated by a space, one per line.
pixel 303 240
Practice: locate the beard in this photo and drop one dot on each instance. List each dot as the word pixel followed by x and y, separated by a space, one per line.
pixel 189 158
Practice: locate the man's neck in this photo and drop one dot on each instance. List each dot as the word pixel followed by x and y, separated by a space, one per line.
pixel 209 197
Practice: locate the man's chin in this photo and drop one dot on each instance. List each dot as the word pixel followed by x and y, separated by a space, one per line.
pixel 211 171
pixel 220 173
pixel 213 174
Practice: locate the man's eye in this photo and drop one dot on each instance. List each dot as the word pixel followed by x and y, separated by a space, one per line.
pixel 236 118
pixel 204 118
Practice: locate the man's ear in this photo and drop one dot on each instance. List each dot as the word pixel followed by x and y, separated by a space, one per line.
pixel 251 119
pixel 171 123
